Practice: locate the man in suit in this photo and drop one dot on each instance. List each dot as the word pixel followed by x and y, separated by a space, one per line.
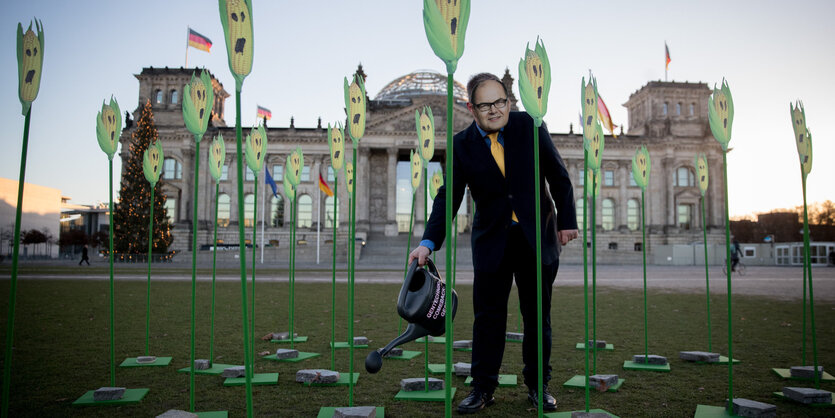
pixel 494 157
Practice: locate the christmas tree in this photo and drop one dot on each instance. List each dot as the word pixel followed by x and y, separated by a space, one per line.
pixel 131 216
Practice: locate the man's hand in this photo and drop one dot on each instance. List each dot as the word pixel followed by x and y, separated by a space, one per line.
pixel 567 235
pixel 420 253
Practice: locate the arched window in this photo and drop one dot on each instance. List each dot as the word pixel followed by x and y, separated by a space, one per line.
pixel 223 209
pixel 608 212
pixel 684 177
pixel 172 169
pixel 277 211
pixel 330 217
pixel 249 210
pixel 633 214
pixel 579 210
pixel 175 96
pixel 159 97
pixel 305 211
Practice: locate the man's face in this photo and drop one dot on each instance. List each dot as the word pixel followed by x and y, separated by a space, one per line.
pixel 493 119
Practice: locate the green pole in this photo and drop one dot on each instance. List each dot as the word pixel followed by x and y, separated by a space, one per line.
pixel 351 279
pixel 586 272
pixel 594 271
pixel 425 221
pixel 148 293
pixel 449 267
pixel 242 250
pixel 333 274
pixel 194 268
pixel 112 285
pixel 7 358
pixel 292 307
pixel 214 270
pixel 728 264
pixel 707 279
pixel 807 259
pixel 254 237
pixel 644 254
pixel 803 328
pixel 539 320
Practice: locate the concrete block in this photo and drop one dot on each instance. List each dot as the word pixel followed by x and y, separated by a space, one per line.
pixel 235 371
pixel 395 352
pixel 514 336
pixel 177 413
pixel 602 382
pixel 462 369
pixel 599 344
pixel 808 395
pixel 202 364
pixel 462 344
pixel 356 412
pixel 419 383
pixel 747 408
pixel 702 356
pixel 285 353
pixel 651 359
pixel 317 376
pixel 360 341
pixel 806 372
pixel 283 335
pixel 146 359
pixel 108 393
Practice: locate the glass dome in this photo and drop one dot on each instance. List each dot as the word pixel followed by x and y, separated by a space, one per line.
pixel 420 83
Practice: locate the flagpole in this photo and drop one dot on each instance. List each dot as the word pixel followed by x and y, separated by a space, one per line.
pixel 188 32
pixel 318 218
pixel 263 213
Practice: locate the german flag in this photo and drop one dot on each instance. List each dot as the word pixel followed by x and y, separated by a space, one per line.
pixel 323 186
pixel 667 57
pixel 263 112
pixel 198 41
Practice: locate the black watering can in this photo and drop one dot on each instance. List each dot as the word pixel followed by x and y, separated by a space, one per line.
pixel 422 302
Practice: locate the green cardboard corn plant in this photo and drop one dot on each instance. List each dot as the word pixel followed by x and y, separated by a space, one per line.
pixel 292 172
pixel 108 126
pixel 29 68
pixel 700 161
pixel 803 141
pixel 720 107
pixel 236 19
pixel 217 158
pixel 534 85
pixel 588 105
pixel 152 169
pixel 256 152
pixel 336 146
pixel 198 98
pixel 445 24
pixel 355 104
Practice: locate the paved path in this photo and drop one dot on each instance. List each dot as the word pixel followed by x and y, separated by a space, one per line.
pixel 778 282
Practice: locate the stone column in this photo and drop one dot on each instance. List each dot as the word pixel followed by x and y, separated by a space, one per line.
pixel 363 189
pixel 318 199
pixel 668 181
pixel 187 193
pixel 391 195
pixel 623 198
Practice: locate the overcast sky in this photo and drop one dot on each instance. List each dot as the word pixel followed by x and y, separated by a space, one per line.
pixel 771 52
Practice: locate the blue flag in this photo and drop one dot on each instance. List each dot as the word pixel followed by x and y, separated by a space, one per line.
pixel 268 179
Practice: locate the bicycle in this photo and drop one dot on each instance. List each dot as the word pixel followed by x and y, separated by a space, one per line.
pixel 740 268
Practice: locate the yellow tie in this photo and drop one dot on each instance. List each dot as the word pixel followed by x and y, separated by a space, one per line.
pixel 498 154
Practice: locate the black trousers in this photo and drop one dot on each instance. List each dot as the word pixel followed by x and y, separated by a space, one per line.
pixel 491 290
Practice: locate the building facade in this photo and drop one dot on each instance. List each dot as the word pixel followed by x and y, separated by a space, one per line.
pixel 670 118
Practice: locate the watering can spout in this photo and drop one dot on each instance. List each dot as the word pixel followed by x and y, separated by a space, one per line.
pixel 422 302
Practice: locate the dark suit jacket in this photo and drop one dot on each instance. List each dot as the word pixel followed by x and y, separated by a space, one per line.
pixel 495 195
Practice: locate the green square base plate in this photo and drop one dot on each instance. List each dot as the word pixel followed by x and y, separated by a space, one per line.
pixel 160 361
pixel 213 414
pixel 710 411
pixel 257 380
pixel 631 365
pixel 787 374
pixel 505 380
pixel 302 356
pixel 344 344
pixel 609 347
pixel 568 413
pixel 328 411
pixel 131 396
pixel 434 340
pixel 424 396
pixel 298 339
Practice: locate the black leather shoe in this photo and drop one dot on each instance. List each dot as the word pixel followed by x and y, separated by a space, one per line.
pixel 476 401
pixel 549 402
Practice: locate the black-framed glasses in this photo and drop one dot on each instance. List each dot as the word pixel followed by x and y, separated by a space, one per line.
pixel 485 107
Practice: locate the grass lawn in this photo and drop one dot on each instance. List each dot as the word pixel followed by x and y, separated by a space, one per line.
pixel 62 349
